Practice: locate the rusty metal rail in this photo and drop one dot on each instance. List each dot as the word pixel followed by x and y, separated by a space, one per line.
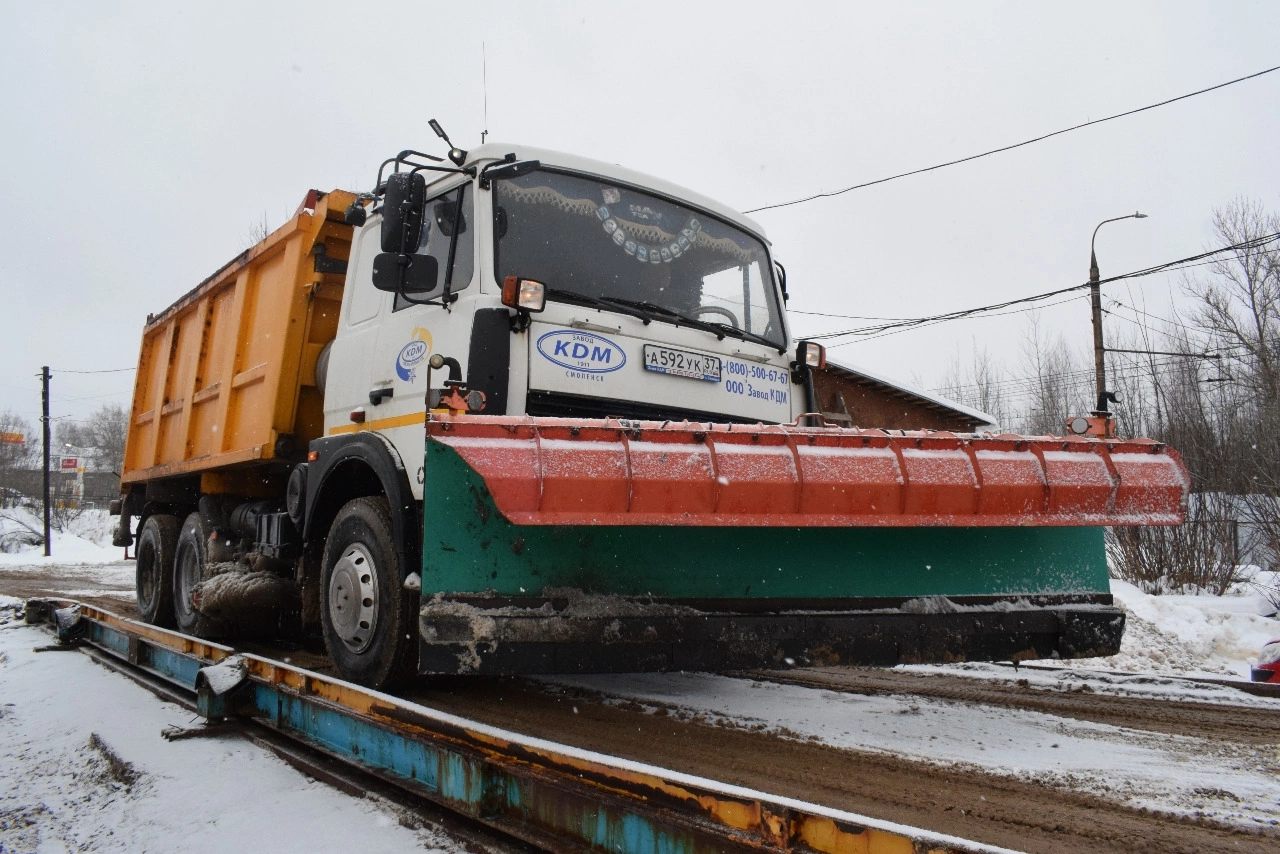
pixel 554 796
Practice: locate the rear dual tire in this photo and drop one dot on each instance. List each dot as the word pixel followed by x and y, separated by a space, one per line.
pixel 171 559
pixel 153 569
pixel 191 557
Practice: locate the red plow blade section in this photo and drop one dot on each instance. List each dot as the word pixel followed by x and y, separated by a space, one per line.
pixel 555 471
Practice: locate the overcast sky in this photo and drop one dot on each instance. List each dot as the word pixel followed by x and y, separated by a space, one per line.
pixel 142 141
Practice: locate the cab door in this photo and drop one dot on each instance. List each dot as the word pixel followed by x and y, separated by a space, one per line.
pixel 415 327
pixel 347 377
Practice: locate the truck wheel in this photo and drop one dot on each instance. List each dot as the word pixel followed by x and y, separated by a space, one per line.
pixel 369 619
pixel 153 573
pixel 190 558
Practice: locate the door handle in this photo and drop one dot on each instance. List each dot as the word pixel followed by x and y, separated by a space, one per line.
pixel 377 395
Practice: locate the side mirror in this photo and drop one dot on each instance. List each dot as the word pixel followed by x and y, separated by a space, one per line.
pixel 511 169
pixel 408 274
pixel 402 211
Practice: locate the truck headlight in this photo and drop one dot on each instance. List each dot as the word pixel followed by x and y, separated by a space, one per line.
pixel 524 294
pixel 811 354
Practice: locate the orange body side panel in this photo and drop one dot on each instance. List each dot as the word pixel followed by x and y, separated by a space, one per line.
pixel 550 471
pixel 230 368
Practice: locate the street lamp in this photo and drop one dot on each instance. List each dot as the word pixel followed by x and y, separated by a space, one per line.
pixel 1095 297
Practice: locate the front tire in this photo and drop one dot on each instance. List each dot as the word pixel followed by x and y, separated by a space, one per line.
pixel 369 619
pixel 153 571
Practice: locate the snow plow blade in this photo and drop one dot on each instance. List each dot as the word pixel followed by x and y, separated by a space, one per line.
pixel 567 545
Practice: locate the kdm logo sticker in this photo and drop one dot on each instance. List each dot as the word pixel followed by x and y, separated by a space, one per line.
pixel 581 351
pixel 412 354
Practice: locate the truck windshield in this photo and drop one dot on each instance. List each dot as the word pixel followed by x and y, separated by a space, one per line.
pixel 590 238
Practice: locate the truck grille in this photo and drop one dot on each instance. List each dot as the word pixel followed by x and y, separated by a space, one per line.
pixel 556 405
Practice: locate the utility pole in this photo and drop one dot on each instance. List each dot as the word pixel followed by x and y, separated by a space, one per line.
pixel 44 419
pixel 1099 351
pixel 1095 299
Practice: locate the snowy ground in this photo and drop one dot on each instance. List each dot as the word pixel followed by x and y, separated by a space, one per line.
pixel 1172 774
pixel 86 769
pixel 1173 635
pixel 86 540
pixel 60 789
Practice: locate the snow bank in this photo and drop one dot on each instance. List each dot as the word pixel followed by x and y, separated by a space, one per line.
pixel 1189 635
pixel 85 539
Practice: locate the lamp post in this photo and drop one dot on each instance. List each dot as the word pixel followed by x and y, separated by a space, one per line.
pixel 1095 297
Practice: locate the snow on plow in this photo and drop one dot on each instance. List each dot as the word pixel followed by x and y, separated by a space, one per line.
pixel 563 545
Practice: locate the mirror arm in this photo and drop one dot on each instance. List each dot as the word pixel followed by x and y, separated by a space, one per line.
pixel 453 246
pixel 782 280
pixel 485 182
pixel 400 292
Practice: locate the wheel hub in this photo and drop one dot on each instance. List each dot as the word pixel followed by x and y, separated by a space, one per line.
pixel 185 580
pixel 353 598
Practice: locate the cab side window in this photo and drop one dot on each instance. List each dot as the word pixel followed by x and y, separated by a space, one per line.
pixel 366 300
pixel 447 213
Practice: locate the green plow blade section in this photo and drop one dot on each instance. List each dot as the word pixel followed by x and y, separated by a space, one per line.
pixel 468 547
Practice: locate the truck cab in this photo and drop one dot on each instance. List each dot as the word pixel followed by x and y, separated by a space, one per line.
pixel 657 303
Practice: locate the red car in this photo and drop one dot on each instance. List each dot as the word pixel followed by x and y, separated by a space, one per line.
pixel 1268 667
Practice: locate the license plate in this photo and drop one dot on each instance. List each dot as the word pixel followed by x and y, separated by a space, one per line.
pixel 681 363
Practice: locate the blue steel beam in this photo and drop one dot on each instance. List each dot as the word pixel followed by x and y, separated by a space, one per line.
pixel 554 796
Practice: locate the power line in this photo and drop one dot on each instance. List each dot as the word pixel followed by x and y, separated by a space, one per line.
pixel 868 332
pixel 109 371
pixel 856 317
pixel 1013 146
pixel 843 316
pixel 1030 382
pixel 61 399
pixel 1020 387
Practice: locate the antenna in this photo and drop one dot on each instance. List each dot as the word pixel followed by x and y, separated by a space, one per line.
pixel 484 76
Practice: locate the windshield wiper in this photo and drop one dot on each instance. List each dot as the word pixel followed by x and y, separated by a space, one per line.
pixel 664 313
pixel 747 336
pixel 648 311
pixel 596 302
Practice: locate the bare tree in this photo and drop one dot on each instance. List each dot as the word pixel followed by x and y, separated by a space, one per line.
pixel 981 386
pixel 1199 555
pixel 1238 312
pixel 102 435
pixel 67 432
pixel 1058 382
pixel 15 454
pixel 257 232
pixel 108 427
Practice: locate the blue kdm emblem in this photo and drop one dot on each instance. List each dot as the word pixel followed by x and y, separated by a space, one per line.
pixel 411 355
pixel 581 351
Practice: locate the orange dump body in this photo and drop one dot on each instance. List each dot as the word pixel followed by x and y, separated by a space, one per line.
pixel 226 375
pixel 548 471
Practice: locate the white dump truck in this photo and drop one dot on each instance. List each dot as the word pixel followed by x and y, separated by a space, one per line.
pixel 529 412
